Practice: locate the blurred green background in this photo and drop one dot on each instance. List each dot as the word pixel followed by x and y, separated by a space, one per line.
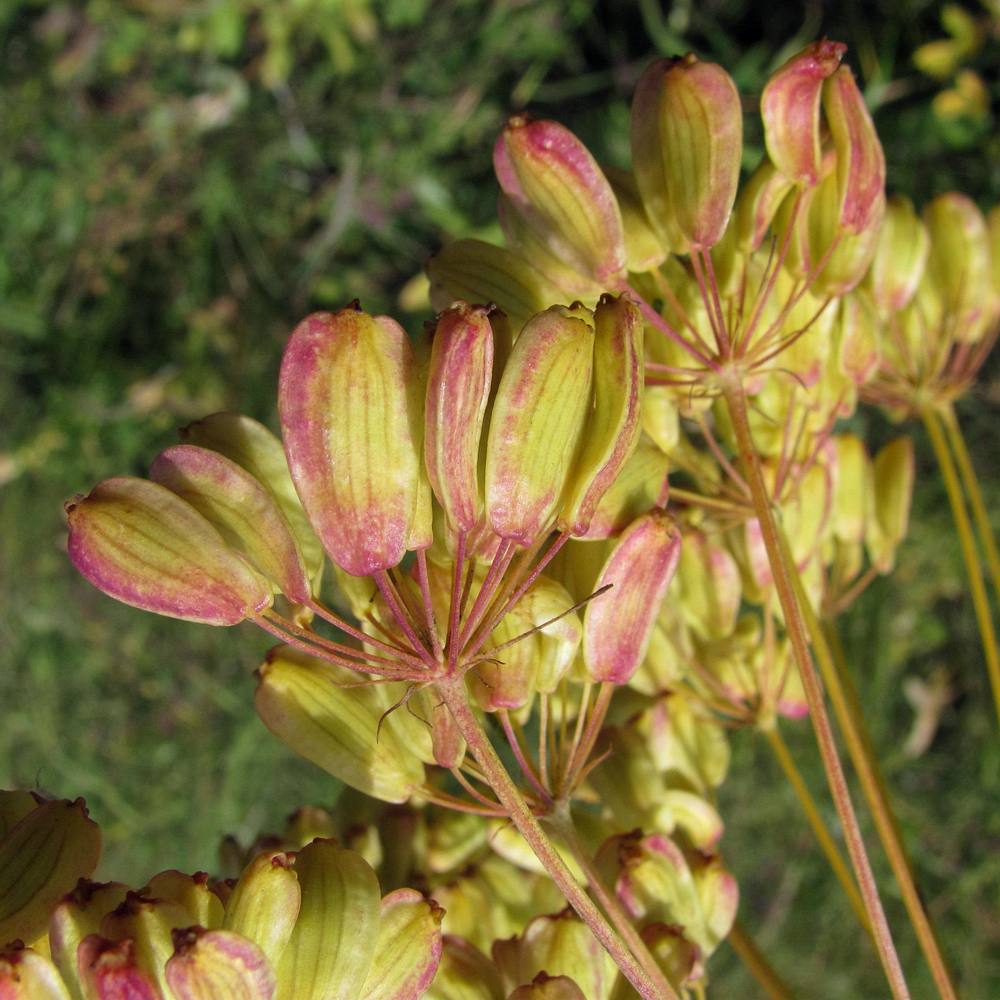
pixel 182 180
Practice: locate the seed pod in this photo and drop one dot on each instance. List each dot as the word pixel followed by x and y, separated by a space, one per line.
pixel 852 493
pixel 192 892
pixel 900 256
pixel 302 701
pixel 959 265
pixel 708 592
pixel 719 895
pixel 687 140
pixel 474 271
pixel 333 944
pixel 240 508
pixel 210 964
pixel 27 975
pixel 253 447
pixel 348 426
pixel 860 160
pixel 407 949
pixel 560 945
pixel 643 251
pixel 458 390
pixel 538 418
pixel 265 903
pixel 617 626
pixel 42 856
pixel 144 546
pixel 109 969
pixel 613 426
pixel 893 476
pixel 556 187
pixel 79 914
pixel 790 105
pixel 757 205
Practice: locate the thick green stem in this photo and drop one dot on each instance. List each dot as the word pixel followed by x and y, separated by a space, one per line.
pixel 757 965
pixel 823 836
pixel 967 543
pixel 648 986
pixel 784 586
pixel 971 483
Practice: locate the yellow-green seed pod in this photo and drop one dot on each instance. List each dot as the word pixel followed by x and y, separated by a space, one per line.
pixel 407 948
pixel 538 419
pixel 27 975
pixel 959 265
pixel 211 964
pixel 790 106
pixel 757 204
pixel 852 492
pixel 78 915
pixel 42 856
pixel 900 256
pixel 189 891
pixel 860 160
pixel 687 140
pixel 265 903
pixel 643 251
pixel 561 945
pixel 240 508
pixel 320 712
pixel 349 428
pixel 144 546
pixel 708 588
pixel 333 944
pixel 458 390
pixel 479 272
pixel 993 225
pixel 893 475
pixel 857 350
pixel 556 187
pixel 253 447
pixel 719 895
pixel 613 425
pixel 150 924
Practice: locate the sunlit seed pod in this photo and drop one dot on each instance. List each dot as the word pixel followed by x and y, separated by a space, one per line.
pixel 790 108
pixel 111 969
pixel 959 265
pixel 557 188
pixel 332 945
pixel 613 424
pixel 860 160
pixel 144 546
pixel 852 496
pixel 240 508
pixel 254 448
pixel 474 271
pixel 209 964
pixel 687 140
pixel 643 250
pixel 265 903
pixel 319 710
pixel 346 405
pixel 537 422
pixel 407 947
pixel 458 390
pixel 27 975
pixel 192 892
pixel 719 895
pixel 900 256
pixel 148 923
pixel 42 856
pixel 79 914
pixel 617 625
pixel 857 351
pixel 707 586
